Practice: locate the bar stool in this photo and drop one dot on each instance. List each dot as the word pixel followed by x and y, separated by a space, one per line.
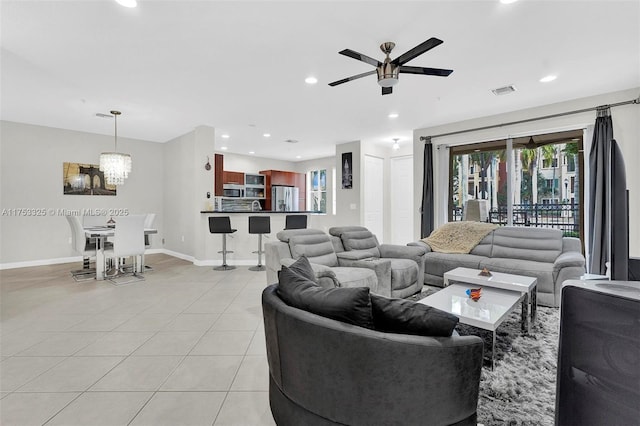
pixel 259 225
pixel 222 225
pixel 295 221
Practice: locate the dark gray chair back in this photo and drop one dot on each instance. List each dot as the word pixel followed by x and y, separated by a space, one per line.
pixel 220 225
pixel 295 221
pixel 259 225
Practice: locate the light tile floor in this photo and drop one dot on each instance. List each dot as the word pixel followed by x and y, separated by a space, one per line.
pixel 186 347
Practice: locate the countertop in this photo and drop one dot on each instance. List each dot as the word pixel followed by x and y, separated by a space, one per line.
pixel 261 211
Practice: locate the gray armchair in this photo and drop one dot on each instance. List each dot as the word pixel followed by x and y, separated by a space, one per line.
pixel 400 267
pixel 325 372
pixel 317 247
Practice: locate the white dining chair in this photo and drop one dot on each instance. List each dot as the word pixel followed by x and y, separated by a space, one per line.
pixel 148 224
pixel 83 246
pixel 128 241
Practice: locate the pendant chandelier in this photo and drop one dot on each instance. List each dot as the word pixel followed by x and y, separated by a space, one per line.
pixel 115 165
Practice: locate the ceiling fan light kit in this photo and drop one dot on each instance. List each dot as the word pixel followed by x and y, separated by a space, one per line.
pixel 389 70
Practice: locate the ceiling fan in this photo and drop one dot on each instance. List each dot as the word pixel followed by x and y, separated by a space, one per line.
pixel 389 70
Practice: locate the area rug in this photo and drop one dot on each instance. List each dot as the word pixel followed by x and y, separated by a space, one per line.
pixel 521 390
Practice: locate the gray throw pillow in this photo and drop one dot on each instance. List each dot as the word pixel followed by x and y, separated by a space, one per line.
pixel 349 305
pixel 303 267
pixel 407 317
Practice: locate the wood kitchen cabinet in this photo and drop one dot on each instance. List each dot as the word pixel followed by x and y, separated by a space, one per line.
pixel 218 172
pixel 236 178
pixel 301 183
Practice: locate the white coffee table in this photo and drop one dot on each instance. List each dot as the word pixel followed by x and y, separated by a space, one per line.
pixel 487 313
pixel 527 286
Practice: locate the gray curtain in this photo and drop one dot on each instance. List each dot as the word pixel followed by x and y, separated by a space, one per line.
pixel 599 191
pixel 427 191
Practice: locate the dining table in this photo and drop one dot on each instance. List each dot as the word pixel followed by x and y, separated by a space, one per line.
pixel 100 234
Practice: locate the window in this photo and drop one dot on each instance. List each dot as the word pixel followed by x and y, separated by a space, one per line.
pixel 475 175
pixel 545 188
pixel 317 190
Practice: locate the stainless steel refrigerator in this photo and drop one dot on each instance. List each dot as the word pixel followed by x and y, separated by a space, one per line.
pixel 284 198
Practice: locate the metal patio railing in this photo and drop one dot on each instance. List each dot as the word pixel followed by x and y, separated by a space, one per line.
pixel 565 217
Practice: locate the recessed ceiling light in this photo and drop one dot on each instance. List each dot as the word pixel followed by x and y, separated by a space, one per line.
pixel 393 115
pixel 298 156
pixel 311 80
pixel 225 136
pixel 127 3
pixel 224 148
pixel 504 90
pixel 266 135
pixel 252 152
pixel 508 1
pixel 548 78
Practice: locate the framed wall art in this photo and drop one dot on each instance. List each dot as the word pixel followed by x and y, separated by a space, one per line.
pixel 347 170
pixel 84 179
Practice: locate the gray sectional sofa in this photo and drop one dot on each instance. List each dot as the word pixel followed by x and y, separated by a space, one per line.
pixel 358 243
pixel 538 252
pixel 320 250
pixel 388 270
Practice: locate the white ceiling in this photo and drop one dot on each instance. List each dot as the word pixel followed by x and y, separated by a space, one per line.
pixel 240 66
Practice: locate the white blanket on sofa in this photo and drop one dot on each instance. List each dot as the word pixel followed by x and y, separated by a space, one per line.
pixel 458 237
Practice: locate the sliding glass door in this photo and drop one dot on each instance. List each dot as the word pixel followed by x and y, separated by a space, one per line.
pixel 545 188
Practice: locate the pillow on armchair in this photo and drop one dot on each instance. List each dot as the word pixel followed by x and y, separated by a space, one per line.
pixel 350 305
pixel 408 317
pixel 302 266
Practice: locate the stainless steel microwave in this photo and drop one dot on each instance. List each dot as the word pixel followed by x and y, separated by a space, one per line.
pixel 236 191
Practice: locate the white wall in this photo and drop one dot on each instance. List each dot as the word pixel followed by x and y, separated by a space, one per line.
pixel 31 160
pixel 187 183
pixel 349 206
pixel 179 201
pixel 626 130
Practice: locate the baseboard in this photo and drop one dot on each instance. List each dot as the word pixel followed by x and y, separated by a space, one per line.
pixel 182 256
pixel 78 259
pixel 41 262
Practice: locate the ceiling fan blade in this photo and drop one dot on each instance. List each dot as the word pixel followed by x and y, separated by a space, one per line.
pixel 359 56
pixel 417 51
pixel 425 71
pixel 353 77
pixel 387 90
